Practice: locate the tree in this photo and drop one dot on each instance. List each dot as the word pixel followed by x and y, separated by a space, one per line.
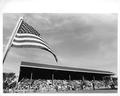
pixel 9 80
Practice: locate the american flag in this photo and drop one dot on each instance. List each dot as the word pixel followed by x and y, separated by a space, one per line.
pixel 27 36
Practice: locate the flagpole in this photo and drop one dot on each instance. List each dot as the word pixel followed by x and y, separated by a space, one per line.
pixel 11 38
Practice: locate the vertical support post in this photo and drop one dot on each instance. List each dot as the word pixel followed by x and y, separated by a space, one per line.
pixel 111 78
pixel 8 46
pixel 83 78
pixel 103 78
pixel 69 77
pixel 93 83
pixel 52 78
pixel 82 85
pixel 94 78
pixel 31 76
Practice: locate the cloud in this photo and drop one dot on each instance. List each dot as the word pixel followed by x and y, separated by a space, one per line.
pixel 80 40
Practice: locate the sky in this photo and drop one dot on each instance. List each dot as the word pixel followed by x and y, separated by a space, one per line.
pixel 79 40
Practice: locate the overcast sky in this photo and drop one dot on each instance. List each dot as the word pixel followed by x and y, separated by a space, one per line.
pixel 79 40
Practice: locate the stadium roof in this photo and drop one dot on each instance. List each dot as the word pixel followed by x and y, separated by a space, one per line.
pixel 64 68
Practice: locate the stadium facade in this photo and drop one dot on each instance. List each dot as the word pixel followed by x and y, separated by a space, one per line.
pixel 44 71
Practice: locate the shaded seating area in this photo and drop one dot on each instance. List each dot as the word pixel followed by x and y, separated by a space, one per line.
pixel 29 70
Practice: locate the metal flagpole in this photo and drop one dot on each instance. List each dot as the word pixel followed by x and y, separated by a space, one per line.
pixel 11 38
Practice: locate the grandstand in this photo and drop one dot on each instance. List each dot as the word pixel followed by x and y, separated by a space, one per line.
pixel 29 70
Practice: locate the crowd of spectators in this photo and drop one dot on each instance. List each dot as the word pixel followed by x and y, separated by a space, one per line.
pixel 40 85
pixel 11 85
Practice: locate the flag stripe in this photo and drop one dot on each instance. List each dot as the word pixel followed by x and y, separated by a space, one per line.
pixel 21 35
pixel 26 35
pixel 32 45
pixel 29 44
pixel 27 39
